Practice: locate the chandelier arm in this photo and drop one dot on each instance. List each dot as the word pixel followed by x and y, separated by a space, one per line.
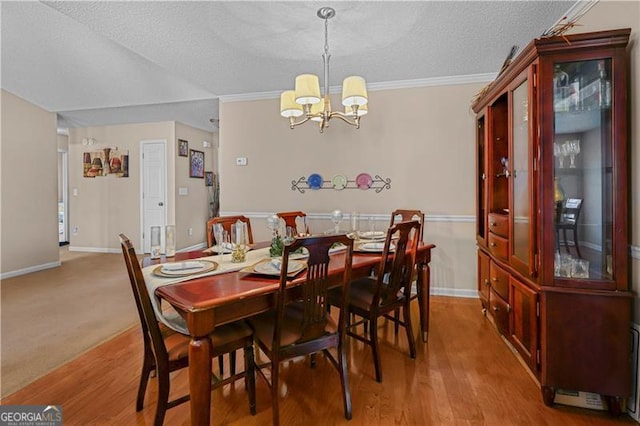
pixel 346 118
pixel 293 123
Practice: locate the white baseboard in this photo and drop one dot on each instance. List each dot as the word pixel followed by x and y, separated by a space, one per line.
pixel 29 270
pixel 96 249
pixel 454 292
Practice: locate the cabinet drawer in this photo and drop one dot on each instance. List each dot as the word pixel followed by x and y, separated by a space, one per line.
pixel 499 310
pixel 499 224
pixel 499 280
pixel 498 246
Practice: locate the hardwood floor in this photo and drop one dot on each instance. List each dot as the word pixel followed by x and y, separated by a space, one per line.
pixel 464 375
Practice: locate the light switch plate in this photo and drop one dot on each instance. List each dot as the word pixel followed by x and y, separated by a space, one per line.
pixel 241 161
pixel 183 191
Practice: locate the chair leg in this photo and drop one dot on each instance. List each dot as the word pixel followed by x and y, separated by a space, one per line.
pixel 148 365
pixel 232 362
pixel 314 360
pixel 396 324
pixel 407 325
pixel 275 384
pixel 344 379
pixel 575 241
pixel 373 333
pixel 163 396
pixel 221 365
pixel 250 377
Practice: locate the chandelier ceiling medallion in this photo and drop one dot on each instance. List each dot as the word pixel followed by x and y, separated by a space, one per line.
pixel 307 102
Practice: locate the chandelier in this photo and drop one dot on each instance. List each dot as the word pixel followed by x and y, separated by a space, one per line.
pixel 307 102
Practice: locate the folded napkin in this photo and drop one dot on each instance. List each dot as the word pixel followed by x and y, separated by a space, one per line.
pixel 276 264
pixel 181 266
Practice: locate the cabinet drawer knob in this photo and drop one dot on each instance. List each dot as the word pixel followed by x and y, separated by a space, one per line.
pixel 494 279
pixel 493 244
pixel 486 281
pixel 494 224
pixel 496 309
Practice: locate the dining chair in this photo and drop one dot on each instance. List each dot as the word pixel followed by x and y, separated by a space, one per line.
pixel 568 221
pixel 404 215
pixel 226 222
pixel 290 220
pixel 376 296
pixel 301 323
pixel 166 350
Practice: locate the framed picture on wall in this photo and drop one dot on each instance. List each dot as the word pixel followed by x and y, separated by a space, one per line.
pixel 208 178
pixel 196 164
pixel 183 148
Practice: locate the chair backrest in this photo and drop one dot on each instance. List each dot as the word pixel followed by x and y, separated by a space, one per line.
pixel 312 292
pixel 226 222
pixel 401 215
pixel 290 219
pixel 150 328
pixel 571 211
pixel 399 263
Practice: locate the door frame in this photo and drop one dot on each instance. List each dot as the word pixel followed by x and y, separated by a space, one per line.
pixel 143 143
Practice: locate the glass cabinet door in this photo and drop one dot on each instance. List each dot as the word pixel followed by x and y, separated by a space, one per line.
pixel 583 181
pixel 521 247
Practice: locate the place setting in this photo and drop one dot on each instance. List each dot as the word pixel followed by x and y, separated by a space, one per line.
pixel 273 267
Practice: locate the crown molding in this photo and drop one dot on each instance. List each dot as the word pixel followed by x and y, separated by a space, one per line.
pixel 372 87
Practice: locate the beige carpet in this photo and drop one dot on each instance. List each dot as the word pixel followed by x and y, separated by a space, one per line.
pixel 50 317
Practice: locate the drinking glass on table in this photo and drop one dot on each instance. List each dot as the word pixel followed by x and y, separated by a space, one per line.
pixel 371 222
pixel 218 235
pixel 336 218
pixel 239 242
pixel 354 223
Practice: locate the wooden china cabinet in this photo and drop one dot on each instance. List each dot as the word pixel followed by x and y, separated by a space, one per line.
pixel 552 192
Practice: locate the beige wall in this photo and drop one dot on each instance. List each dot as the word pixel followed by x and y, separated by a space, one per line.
pixel 421 138
pixel 29 187
pixel 192 210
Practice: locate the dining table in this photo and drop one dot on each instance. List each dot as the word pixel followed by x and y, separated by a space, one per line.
pixel 212 300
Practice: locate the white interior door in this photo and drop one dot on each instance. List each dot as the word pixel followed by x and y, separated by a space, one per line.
pixel 153 189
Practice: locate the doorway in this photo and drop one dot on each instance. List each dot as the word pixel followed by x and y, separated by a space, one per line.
pixel 153 189
pixel 63 208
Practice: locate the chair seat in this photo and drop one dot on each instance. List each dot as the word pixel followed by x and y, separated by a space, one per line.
pixel 178 344
pixel 361 294
pixel 291 331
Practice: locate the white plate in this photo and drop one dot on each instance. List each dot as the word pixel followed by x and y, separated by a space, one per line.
pixel 184 269
pixel 372 235
pixel 338 248
pixel 272 267
pixel 375 247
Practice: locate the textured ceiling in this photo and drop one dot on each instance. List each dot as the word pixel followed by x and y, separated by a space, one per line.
pixel 105 62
